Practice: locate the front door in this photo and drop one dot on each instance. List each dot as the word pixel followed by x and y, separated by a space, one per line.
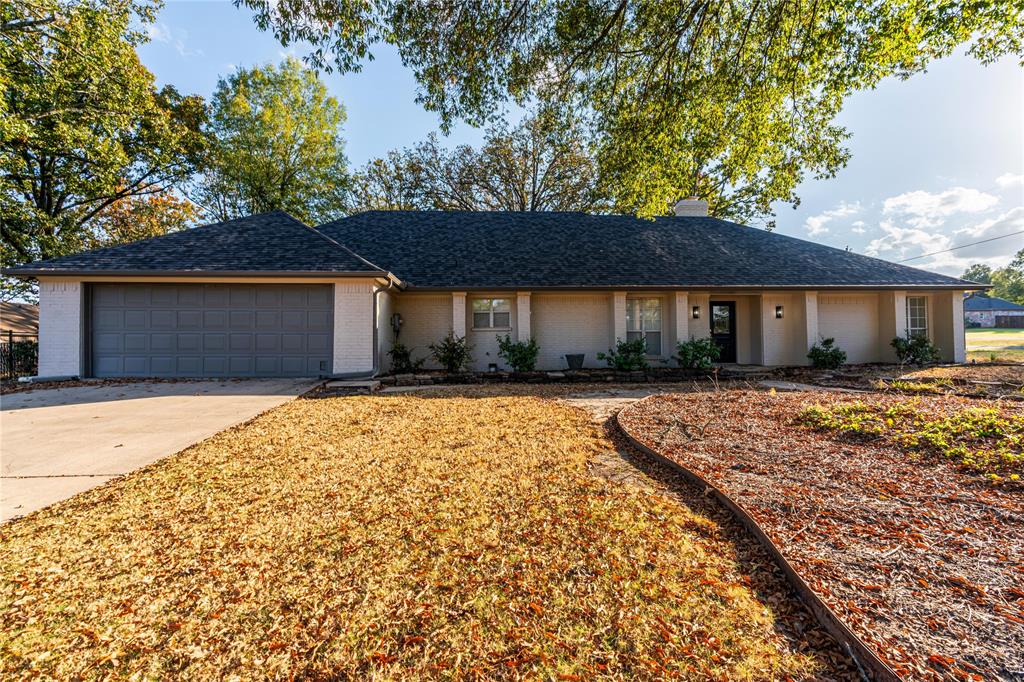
pixel 723 329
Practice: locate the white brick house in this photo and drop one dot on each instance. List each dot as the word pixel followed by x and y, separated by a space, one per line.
pixel 269 296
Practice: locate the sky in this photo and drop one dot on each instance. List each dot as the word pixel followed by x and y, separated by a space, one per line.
pixel 937 160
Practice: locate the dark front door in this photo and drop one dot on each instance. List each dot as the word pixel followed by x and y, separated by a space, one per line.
pixel 723 329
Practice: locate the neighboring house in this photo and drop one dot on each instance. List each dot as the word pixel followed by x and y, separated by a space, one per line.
pixel 21 319
pixel 267 296
pixel 988 311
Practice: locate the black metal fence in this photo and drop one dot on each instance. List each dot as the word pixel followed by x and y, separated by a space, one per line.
pixel 19 355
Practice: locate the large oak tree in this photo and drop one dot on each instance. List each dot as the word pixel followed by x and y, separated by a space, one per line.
pixel 541 164
pixel 730 100
pixel 275 144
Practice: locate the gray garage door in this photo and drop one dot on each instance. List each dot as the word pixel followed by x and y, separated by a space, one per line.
pixel 210 330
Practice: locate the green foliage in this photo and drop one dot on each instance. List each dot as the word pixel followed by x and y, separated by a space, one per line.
pixel 827 355
pixel 915 350
pixel 401 359
pixel 521 356
pixel 978 272
pixel 542 164
pixel 697 353
pixel 934 386
pixel 82 125
pixel 454 353
pixel 276 145
pixel 734 103
pixel 979 439
pixel 627 355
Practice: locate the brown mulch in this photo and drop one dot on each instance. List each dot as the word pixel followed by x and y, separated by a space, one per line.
pixel 923 561
pixel 968 380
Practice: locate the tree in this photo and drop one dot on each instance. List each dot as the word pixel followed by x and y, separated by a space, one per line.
pixel 542 164
pixel 82 125
pixel 731 102
pixel 978 272
pixel 137 218
pixel 1008 282
pixel 276 144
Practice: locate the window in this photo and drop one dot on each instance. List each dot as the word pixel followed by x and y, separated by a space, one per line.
pixel 492 313
pixel 917 316
pixel 643 321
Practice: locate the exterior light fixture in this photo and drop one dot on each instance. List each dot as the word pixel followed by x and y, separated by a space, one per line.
pixel 696 312
pixel 778 312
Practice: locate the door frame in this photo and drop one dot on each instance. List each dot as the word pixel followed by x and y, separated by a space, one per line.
pixel 731 348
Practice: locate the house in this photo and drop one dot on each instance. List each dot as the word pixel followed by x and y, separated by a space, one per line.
pixel 267 295
pixel 988 311
pixel 19 319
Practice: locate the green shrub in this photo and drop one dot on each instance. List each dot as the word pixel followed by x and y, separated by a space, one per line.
pixel 827 355
pixel 697 353
pixel 521 356
pixel 627 355
pixel 401 359
pixel 915 350
pixel 452 352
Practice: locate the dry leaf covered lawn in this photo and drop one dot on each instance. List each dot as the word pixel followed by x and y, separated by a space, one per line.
pixel 387 537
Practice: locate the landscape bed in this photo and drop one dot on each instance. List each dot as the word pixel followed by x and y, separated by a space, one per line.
pixel 459 536
pixel 920 554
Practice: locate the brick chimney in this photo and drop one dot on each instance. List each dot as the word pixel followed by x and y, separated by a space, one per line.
pixel 691 207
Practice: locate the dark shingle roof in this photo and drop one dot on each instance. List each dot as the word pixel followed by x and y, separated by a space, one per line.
pixel 457 249
pixel 980 303
pixel 267 242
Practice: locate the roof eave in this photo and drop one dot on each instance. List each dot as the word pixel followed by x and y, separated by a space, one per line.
pixel 691 287
pixel 44 272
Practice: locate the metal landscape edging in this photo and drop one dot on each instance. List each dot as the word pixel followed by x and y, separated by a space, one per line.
pixel 868 663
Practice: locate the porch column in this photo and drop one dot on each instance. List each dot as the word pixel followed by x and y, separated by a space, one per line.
pixel 811 320
pixel 947 325
pixel 459 313
pixel 618 316
pixel 892 322
pixel 959 335
pixel 682 315
pixel 523 331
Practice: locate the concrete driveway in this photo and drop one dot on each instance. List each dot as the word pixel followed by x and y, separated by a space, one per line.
pixel 56 443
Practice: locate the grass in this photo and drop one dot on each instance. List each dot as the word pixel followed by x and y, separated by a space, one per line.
pixel 995 345
pixel 383 538
pixel 988 441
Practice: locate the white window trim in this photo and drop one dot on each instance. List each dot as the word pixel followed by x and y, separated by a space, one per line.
pixel 641 330
pixel 927 316
pixel 490 314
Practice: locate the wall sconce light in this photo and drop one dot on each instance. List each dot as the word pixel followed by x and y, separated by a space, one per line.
pixel 696 312
pixel 778 312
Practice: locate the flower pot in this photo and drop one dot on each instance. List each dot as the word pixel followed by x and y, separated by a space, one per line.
pixel 575 361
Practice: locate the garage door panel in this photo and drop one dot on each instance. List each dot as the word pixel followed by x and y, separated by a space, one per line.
pixel 134 343
pixel 195 330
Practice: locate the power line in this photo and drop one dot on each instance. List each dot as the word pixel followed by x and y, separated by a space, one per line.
pixel 963 246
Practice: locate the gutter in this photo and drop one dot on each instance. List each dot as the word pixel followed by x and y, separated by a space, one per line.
pixel 114 274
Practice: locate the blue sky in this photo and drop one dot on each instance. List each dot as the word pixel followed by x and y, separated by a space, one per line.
pixel 938 160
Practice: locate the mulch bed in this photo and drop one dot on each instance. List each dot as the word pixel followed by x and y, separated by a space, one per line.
pixel 1001 381
pixel 924 561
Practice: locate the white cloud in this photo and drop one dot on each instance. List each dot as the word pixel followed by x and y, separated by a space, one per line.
pixel 898 242
pixel 818 224
pixel 1010 180
pixel 162 33
pixel 859 227
pixel 1011 221
pixel 929 209
pixel 158 33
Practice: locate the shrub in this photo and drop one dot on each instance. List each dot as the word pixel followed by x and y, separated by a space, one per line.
pixel 697 353
pixel 452 352
pixel 827 355
pixel 401 359
pixel 914 350
pixel 627 355
pixel 521 356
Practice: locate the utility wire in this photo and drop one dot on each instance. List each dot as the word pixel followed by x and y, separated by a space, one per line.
pixel 963 246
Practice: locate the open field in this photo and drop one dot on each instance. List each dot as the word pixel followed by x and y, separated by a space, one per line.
pixel 389 537
pixel 1005 345
pixel 885 504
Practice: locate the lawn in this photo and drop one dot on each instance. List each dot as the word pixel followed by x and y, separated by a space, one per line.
pixel 905 514
pixel 394 537
pixel 1002 345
